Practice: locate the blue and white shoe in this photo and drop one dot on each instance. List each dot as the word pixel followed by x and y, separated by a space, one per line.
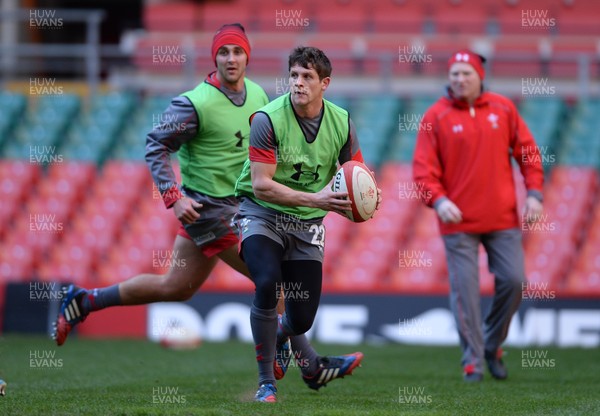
pixel 70 313
pixel 266 393
pixel 331 368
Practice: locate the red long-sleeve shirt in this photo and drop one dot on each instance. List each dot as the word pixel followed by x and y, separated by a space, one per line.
pixel 464 154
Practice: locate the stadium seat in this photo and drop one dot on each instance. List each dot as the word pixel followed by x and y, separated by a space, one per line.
pixel 426 224
pixel 366 276
pixel 341 16
pixel 26 174
pixel 389 16
pixel 562 48
pixel 421 260
pixel 578 18
pixel 135 172
pixel 68 262
pixel 336 238
pixel 37 230
pixel 514 56
pixel 97 232
pixel 172 16
pixel 421 281
pixel 510 17
pixel 585 283
pixel 13 191
pixel 115 272
pixel 225 278
pixel 17 261
pixel 461 17
pixel 13 107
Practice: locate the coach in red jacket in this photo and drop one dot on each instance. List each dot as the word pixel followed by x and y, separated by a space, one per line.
pixel 463 162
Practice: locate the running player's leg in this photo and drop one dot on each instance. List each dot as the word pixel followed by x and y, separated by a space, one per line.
pixel 188 271
pixel 302 282
pixel 190 268
pixel 231 257
pixel 302 350
pixel 263 257
pixel 302 279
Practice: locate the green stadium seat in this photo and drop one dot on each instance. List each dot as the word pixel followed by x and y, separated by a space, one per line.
pixel 13 108
pixel 375 118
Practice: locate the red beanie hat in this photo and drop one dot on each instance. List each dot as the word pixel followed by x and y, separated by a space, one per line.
pixel 471 58
pixel 230 34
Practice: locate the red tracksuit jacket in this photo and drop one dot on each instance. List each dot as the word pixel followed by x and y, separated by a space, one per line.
pixel 464 154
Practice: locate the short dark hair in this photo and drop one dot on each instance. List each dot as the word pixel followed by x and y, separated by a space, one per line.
pixel 308 55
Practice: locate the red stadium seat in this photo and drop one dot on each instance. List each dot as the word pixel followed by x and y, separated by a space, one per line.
pixel 78 173
pixel 543 268
pixel 515 55
pixel 336 238
pixel 461 17
pixel 68 191
pixel 16 262
pixel 366 276
pixel 172 16
pixel 97 232
pixel 125 261
pixel 117 272
pixel 439 50
pixel 134 172
pixel 224 277
pixel 430 281
pixel 114 209
pixel 26 173
pixel 9 208
pixel 13 189
pixel 581 177
pixel 393 173
pixel 420 261
pixel 389 16
pixel 78 273
pixel 148 239
pixel 342 16
pixel 273 52
pixel 213 14
pixel 426 224
pixel 578 18
pixel 511 14
pixel 38 231
pixel 56 209
pixel 583 283
pixel 563 48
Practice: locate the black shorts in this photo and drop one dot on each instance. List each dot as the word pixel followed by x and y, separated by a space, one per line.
pixel 216 229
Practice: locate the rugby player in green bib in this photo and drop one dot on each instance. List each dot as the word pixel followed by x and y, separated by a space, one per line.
pixel 212 149
pixel 296 143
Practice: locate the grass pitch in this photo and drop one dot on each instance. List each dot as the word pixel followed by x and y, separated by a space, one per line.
pixel 124 377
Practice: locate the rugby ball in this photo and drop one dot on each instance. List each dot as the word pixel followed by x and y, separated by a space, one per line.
pixel 357 180
pixel 180 339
